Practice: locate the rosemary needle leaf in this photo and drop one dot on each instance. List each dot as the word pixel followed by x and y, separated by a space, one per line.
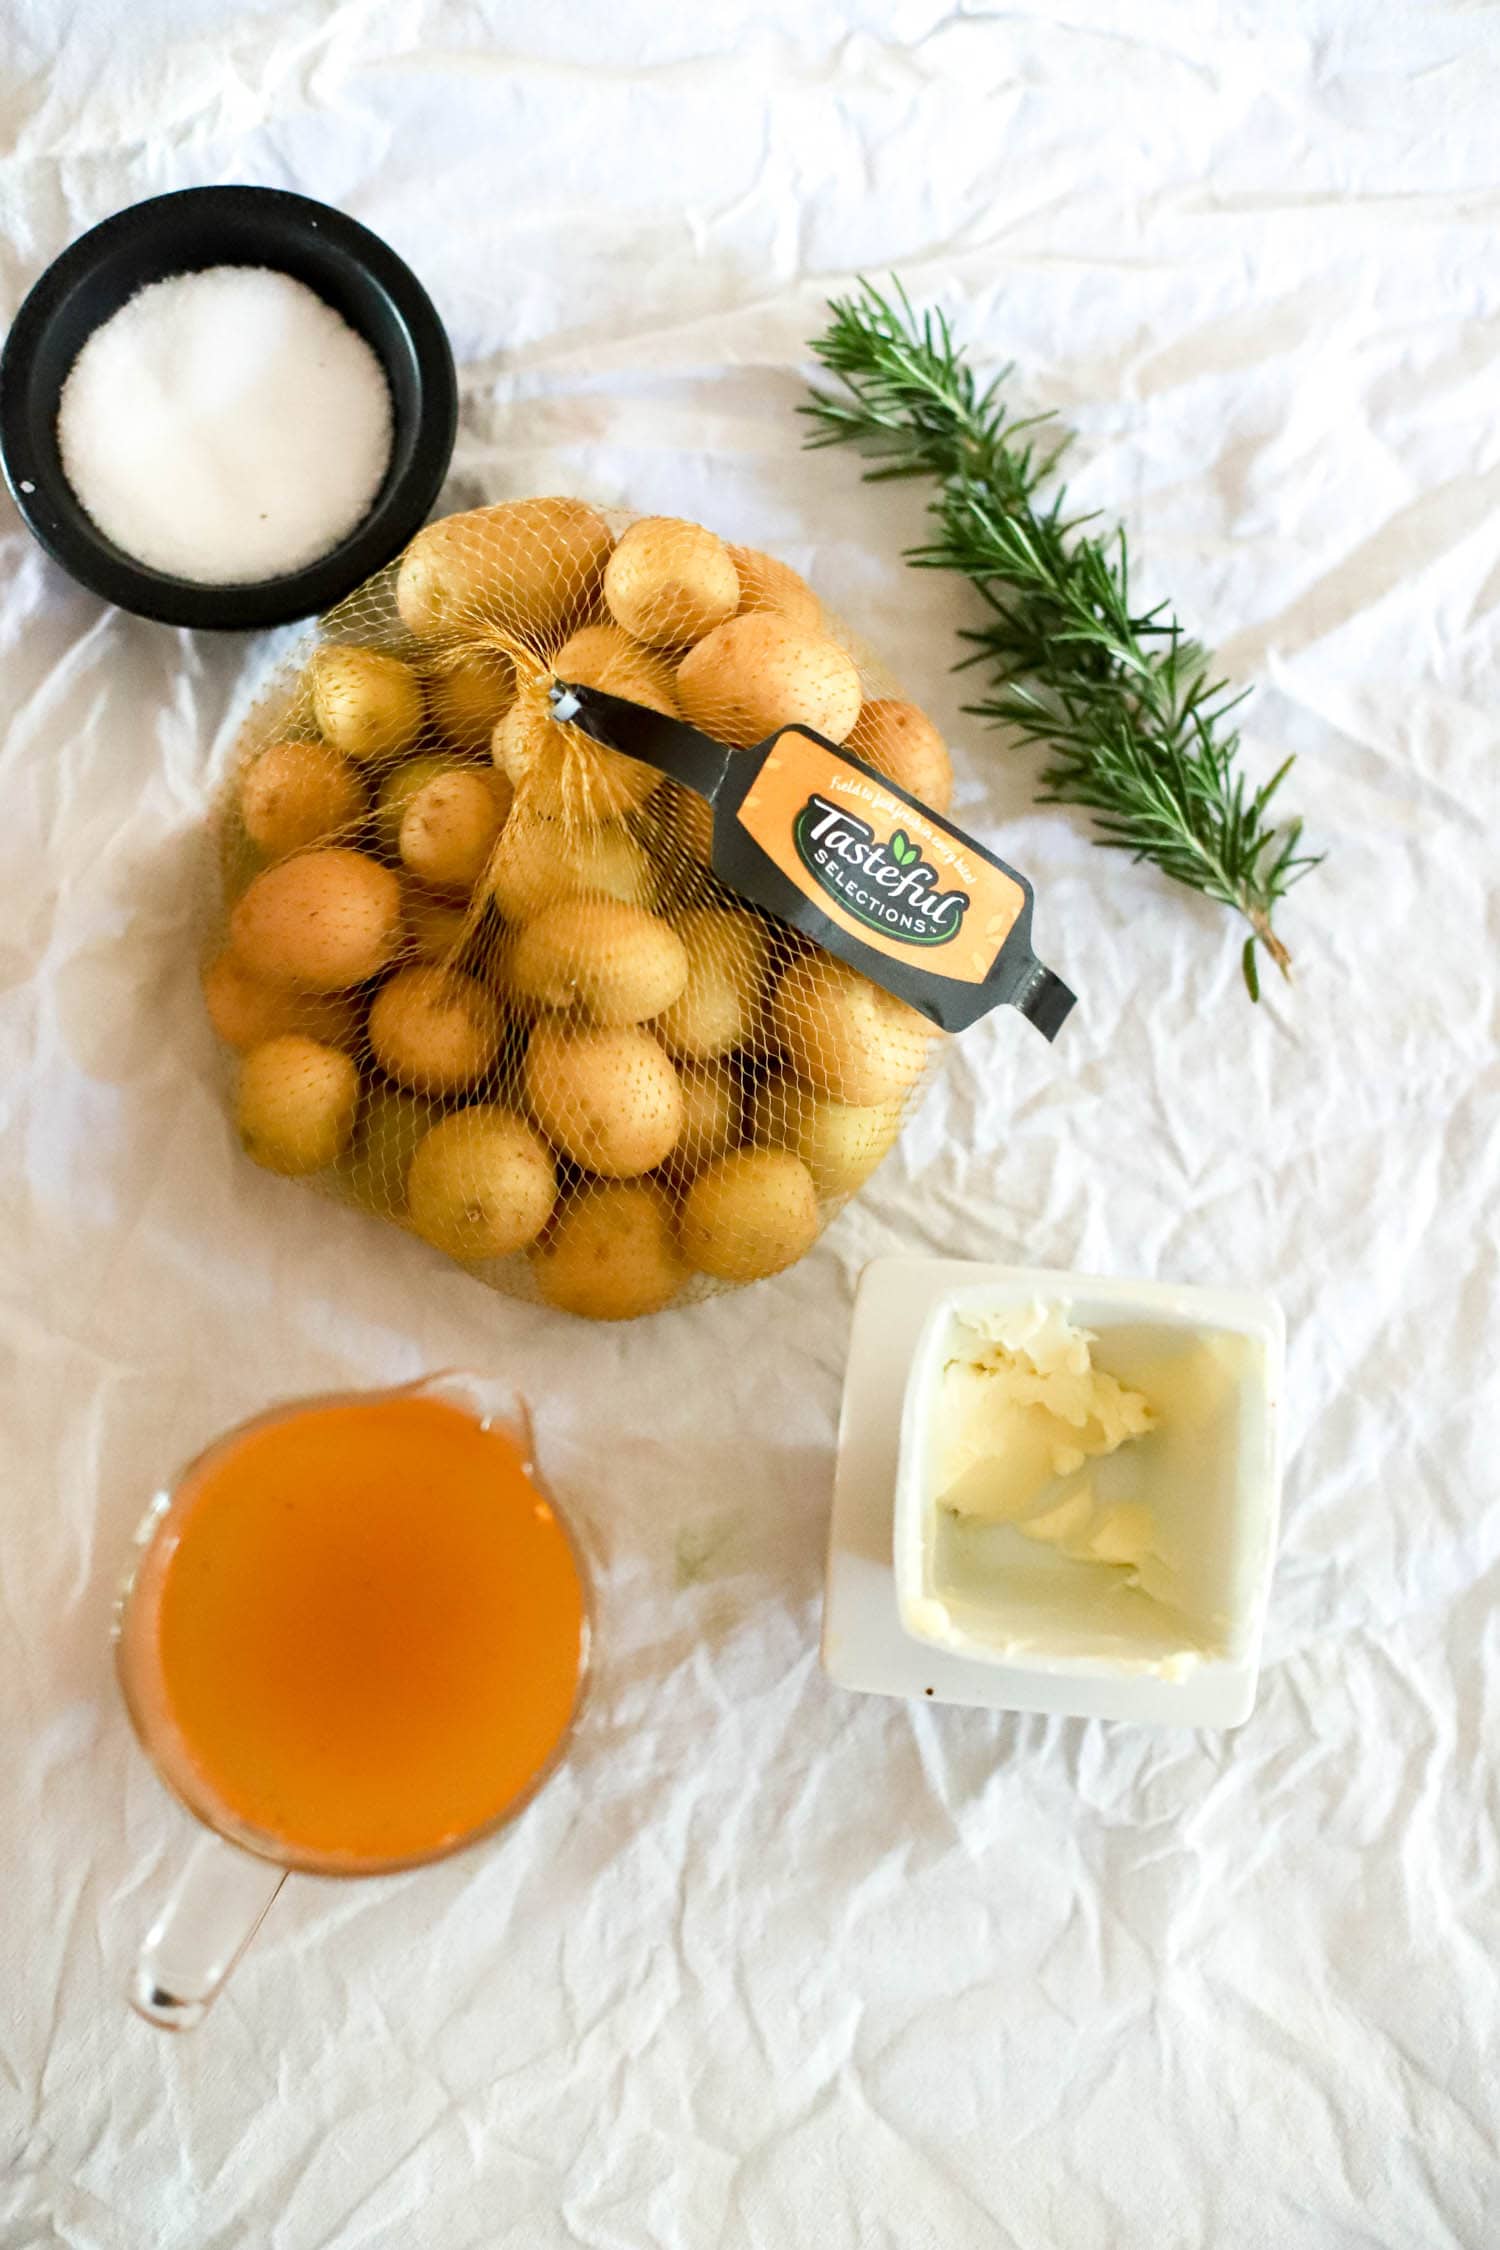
pixel 1136 728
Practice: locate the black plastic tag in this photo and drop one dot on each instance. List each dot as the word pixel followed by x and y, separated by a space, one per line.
pixel 829 845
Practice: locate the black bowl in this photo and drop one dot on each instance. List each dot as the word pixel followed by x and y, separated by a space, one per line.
pixel 349 268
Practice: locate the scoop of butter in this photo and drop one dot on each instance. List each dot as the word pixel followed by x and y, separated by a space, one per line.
pixel 1026 1407
pixel 1023 1405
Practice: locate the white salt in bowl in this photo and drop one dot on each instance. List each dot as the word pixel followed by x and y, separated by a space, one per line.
pixel 350 269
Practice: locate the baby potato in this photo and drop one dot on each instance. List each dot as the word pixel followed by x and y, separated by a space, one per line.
pixel 540 859
pixel 435 926
pixel 481 1184
pixel 758 672
pixel 607 1099
pixel 386 1136
pixel 529 567
pixel 326 919
pixel 720 1004
pixel 434 1029
pixel 296 793
pixel 604 656
pixel 468 693
pixel 846 1036
pixel 616 962
pixel 400 785
pixel 749 1215
pixel 367 704
pixel 713 1117
pixel 242 1009
pixel 245 1011
pixel 901 742
pixel 557 771
pixel 669 582
pixel 450 824
pixel 295 1104
pixel 766 583
pixel 840 1142
pixel 611 1254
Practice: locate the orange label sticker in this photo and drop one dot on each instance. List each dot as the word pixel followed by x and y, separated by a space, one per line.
pixel 878 867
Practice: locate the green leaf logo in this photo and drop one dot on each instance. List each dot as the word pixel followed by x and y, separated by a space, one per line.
pixel 903 851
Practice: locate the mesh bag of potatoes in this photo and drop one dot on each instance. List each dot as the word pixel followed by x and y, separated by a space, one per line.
pixel 478 970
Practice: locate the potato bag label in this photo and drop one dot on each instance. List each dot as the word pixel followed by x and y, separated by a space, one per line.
pixel 816 837
pixel 877 864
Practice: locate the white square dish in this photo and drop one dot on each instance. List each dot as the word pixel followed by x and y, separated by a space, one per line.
pixel 985 1643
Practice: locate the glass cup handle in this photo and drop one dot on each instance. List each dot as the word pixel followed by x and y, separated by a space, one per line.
pixel 209 1917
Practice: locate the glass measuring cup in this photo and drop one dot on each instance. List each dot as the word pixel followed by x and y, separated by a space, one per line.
pixel 387 1643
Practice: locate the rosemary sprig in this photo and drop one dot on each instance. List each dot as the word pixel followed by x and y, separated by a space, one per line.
pixel 1135 724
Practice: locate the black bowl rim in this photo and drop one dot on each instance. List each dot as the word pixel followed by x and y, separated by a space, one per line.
pixel 97 564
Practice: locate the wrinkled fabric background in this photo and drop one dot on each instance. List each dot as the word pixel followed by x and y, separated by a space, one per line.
pixel 770 1965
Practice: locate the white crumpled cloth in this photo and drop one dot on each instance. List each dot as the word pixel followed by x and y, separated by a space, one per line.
pixel 770 1965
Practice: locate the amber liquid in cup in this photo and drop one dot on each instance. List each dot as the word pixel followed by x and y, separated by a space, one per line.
pixel 357 1635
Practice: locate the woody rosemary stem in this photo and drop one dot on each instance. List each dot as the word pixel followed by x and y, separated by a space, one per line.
pixel 1134 725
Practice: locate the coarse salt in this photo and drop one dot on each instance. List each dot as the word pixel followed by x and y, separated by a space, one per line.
pixel 225 426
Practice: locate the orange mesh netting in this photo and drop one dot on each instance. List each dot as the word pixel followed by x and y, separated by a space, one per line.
pixel 478 974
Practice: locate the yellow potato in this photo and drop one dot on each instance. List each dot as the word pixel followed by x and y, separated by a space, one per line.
pixel 670 582
pixel 326 919
pixel 611 1255
pixel 713 1102
pixel 616 963
pixel 296 793
pixel 758 673
pixel 901 742
pixel 296 1102
pixel 750 1214
pixel 720 1005
pixel 435 927
pixel 845 1036
pixel 528 567
pixel 245 1011
pixel 389 1129
pixel 604 656
pixel 367 704
pixel 450 824
pixel 840 1142
pixel 608 1100
pixel 434 1029
pixel 558 772
pixel 766 583
pixel 481 1184
pixel 540 859
pixel 400 785
pixel 468 693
